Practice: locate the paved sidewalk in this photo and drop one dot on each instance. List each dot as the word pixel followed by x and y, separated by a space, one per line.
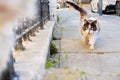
pixel 103 63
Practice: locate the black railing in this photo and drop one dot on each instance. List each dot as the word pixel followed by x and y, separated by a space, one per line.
pixel 43 11
pixel 28 27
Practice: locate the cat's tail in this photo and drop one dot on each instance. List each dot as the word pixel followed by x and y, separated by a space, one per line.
pixel 77 7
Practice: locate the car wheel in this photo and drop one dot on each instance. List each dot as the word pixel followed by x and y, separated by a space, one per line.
pixel 118 8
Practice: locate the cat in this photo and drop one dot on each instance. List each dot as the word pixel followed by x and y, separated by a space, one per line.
pixel 89 26
pixel 10 12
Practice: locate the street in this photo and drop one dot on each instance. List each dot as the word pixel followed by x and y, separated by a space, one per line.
pixel 99 64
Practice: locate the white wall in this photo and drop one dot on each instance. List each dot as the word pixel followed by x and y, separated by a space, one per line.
pixel 53 7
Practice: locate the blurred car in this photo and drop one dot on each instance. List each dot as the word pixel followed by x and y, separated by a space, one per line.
pixel 107 6
pixel 58 6
pixel 117 6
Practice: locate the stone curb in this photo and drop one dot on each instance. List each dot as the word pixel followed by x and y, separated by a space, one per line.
pixel 30 64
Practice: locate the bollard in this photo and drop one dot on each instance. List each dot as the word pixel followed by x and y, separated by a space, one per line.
pixel 41 14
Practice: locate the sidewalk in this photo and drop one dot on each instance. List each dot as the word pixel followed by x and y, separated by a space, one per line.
pixel 99 64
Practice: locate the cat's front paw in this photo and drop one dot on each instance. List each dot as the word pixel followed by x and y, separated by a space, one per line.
pixel 83 42
pixel 91 47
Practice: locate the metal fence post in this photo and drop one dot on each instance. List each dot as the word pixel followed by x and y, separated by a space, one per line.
pixel 100 8
pixel 48 10
pixel 41 14
pixel 26 37
pixel 19 45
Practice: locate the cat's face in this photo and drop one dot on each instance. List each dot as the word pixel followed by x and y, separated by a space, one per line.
pixel 9 9
pixel 90 26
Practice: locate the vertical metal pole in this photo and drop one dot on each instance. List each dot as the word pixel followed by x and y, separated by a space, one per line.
pixel 100 7
pixel 48 10
pixel 41 14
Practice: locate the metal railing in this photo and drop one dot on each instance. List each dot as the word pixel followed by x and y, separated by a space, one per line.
pixel 43 11
pixel 28 27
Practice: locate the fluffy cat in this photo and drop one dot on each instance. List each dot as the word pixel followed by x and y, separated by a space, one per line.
pixel 10 12
pixel 89 26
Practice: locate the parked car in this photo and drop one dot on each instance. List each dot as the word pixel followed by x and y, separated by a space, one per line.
pixel 107 6
pixel 117 6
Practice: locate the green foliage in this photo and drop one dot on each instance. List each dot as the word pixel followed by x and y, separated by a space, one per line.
pixel 83 73
pixel 58 18
pixel 118 75
pixel 55 61
pixel 48 65
pixel 53 49
pixel 66 57
pixel 51 63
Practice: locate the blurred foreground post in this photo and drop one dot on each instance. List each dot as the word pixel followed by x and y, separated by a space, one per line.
pixel 100 7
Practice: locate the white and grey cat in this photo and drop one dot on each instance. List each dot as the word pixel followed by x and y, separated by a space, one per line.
pixel 10 11
pixel 89 26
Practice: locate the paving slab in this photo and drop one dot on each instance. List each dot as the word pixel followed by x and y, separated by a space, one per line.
pixel 101 77
pixel 62 74
pixel 110 63
pixel 88 63
pixel 95 66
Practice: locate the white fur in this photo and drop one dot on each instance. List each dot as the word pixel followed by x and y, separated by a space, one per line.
pixel 92 40
pixel 90 35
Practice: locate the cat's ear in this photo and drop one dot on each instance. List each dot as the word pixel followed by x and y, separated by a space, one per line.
pixel 94 22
